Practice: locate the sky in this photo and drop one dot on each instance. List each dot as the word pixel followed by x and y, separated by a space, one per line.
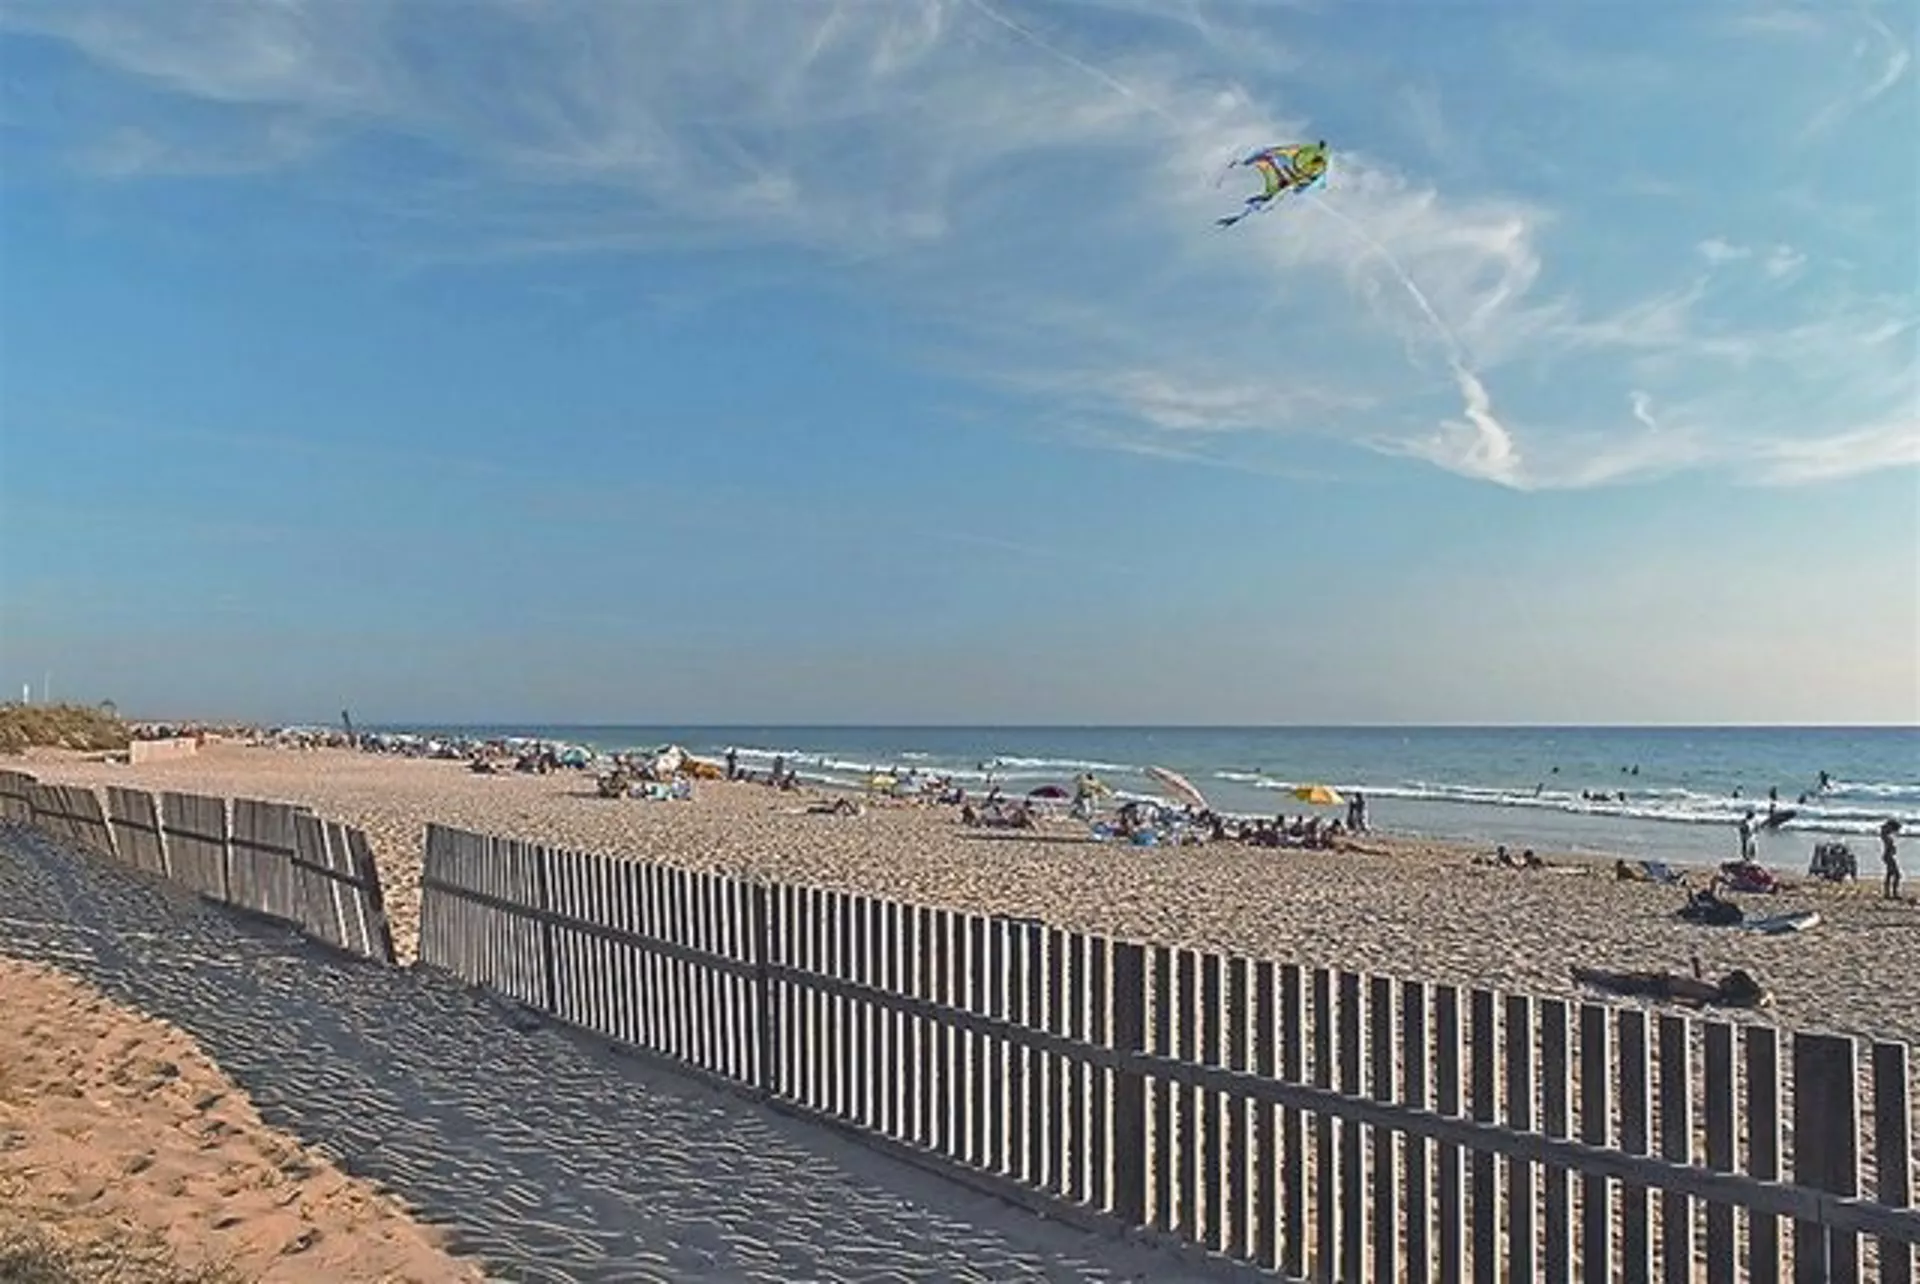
pixel 880 361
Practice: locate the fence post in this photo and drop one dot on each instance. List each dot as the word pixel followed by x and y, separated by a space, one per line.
pixel 1129 1035
pixel 543 896
pixel 766 1032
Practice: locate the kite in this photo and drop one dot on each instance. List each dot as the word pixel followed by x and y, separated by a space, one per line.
pixel 1292 167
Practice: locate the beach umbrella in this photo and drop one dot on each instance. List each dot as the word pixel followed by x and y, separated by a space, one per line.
pixel 1179 786
pixel 1319 795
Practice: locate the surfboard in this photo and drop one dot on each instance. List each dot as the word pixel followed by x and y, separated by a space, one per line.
pixel 1780 924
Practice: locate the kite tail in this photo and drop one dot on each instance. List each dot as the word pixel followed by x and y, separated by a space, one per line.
pixel 1253 206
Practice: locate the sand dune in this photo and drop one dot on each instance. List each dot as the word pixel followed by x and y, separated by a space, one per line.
pixel 1404 908
pixel 543 1155
pixel 122 1140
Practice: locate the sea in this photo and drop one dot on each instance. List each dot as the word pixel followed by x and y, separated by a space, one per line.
pixel 1666 793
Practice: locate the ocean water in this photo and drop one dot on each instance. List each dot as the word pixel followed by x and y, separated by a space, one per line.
pixel 1684 788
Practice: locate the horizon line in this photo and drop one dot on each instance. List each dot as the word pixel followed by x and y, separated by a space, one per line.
pixel 684 724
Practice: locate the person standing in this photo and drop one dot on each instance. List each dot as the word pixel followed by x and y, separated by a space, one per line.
pixel 1746 837
pixel 1890 858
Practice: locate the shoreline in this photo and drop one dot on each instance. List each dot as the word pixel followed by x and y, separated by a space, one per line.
pixel 1399 906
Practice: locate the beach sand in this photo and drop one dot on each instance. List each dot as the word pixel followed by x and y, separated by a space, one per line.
pixel 1408 909
pixel 529 1147
pixel 123 1147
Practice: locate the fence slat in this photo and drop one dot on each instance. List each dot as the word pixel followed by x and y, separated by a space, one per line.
pixel 1483 1085
pixel 1556 1119
pixel 1186 1100
pixel 1210 1225
pixel 135 818
pixel 1893 1152
pixel 1065 1136
pixel 975 927
pixel 195 829
pixel 1636 1115
pixel 1518 1045
pixel 1019 1125
pixel 1826 1152
pixel 1128 990
pixel 1384 1213
pixel 1293 1043
pixel 935 1079
pixel 1162 1139
pixel 1416 1052
pixel 1326 1154
pixel 1450 1163
pixel 1265 1194
pixel 1237 1242
pixel 950 1054
pixel 1676 1143
pixel 1100 1103
pixel 1723 1091
pixel 1351 1135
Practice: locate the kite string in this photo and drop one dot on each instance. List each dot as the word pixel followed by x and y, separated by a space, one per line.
pixel 1112 82
pixel 1455 355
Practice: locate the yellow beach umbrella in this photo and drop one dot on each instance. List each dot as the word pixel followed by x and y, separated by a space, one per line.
pixel 1319 795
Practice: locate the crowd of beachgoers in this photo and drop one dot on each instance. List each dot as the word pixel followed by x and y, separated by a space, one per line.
pixel 1311 887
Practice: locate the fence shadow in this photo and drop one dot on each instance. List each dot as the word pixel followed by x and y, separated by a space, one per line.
pixel 544 1155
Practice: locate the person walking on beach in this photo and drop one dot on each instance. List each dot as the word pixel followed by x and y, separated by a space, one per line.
pixel 1746 836
pixel 1890 857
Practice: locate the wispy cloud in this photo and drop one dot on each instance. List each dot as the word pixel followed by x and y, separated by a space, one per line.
pixel 1045 195
pixel 1877 57
pixel 1881 60
pixel 1717 250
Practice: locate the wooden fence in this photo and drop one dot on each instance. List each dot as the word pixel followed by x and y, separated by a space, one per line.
pixel 266 858
pixel 1322 1124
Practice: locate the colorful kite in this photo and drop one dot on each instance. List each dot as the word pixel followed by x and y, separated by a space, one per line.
pixel 1293 167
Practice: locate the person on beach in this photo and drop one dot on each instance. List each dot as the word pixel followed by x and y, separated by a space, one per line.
pixel 1746 837
pixel 1737 989
pixel 1890 857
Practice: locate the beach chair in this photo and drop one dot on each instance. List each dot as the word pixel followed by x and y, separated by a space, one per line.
pixel 1834 862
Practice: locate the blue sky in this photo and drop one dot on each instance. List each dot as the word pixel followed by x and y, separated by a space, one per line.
pixel 879 361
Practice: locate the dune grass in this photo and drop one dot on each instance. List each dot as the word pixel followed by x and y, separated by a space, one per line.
pixel 33 1252
pixel 60 726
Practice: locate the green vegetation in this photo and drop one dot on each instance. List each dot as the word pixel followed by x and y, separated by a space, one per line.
pixel 33 1253
pixel 60 726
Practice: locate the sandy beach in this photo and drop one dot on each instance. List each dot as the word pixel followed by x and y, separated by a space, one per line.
pixel 1408 909
pixel 127 1150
